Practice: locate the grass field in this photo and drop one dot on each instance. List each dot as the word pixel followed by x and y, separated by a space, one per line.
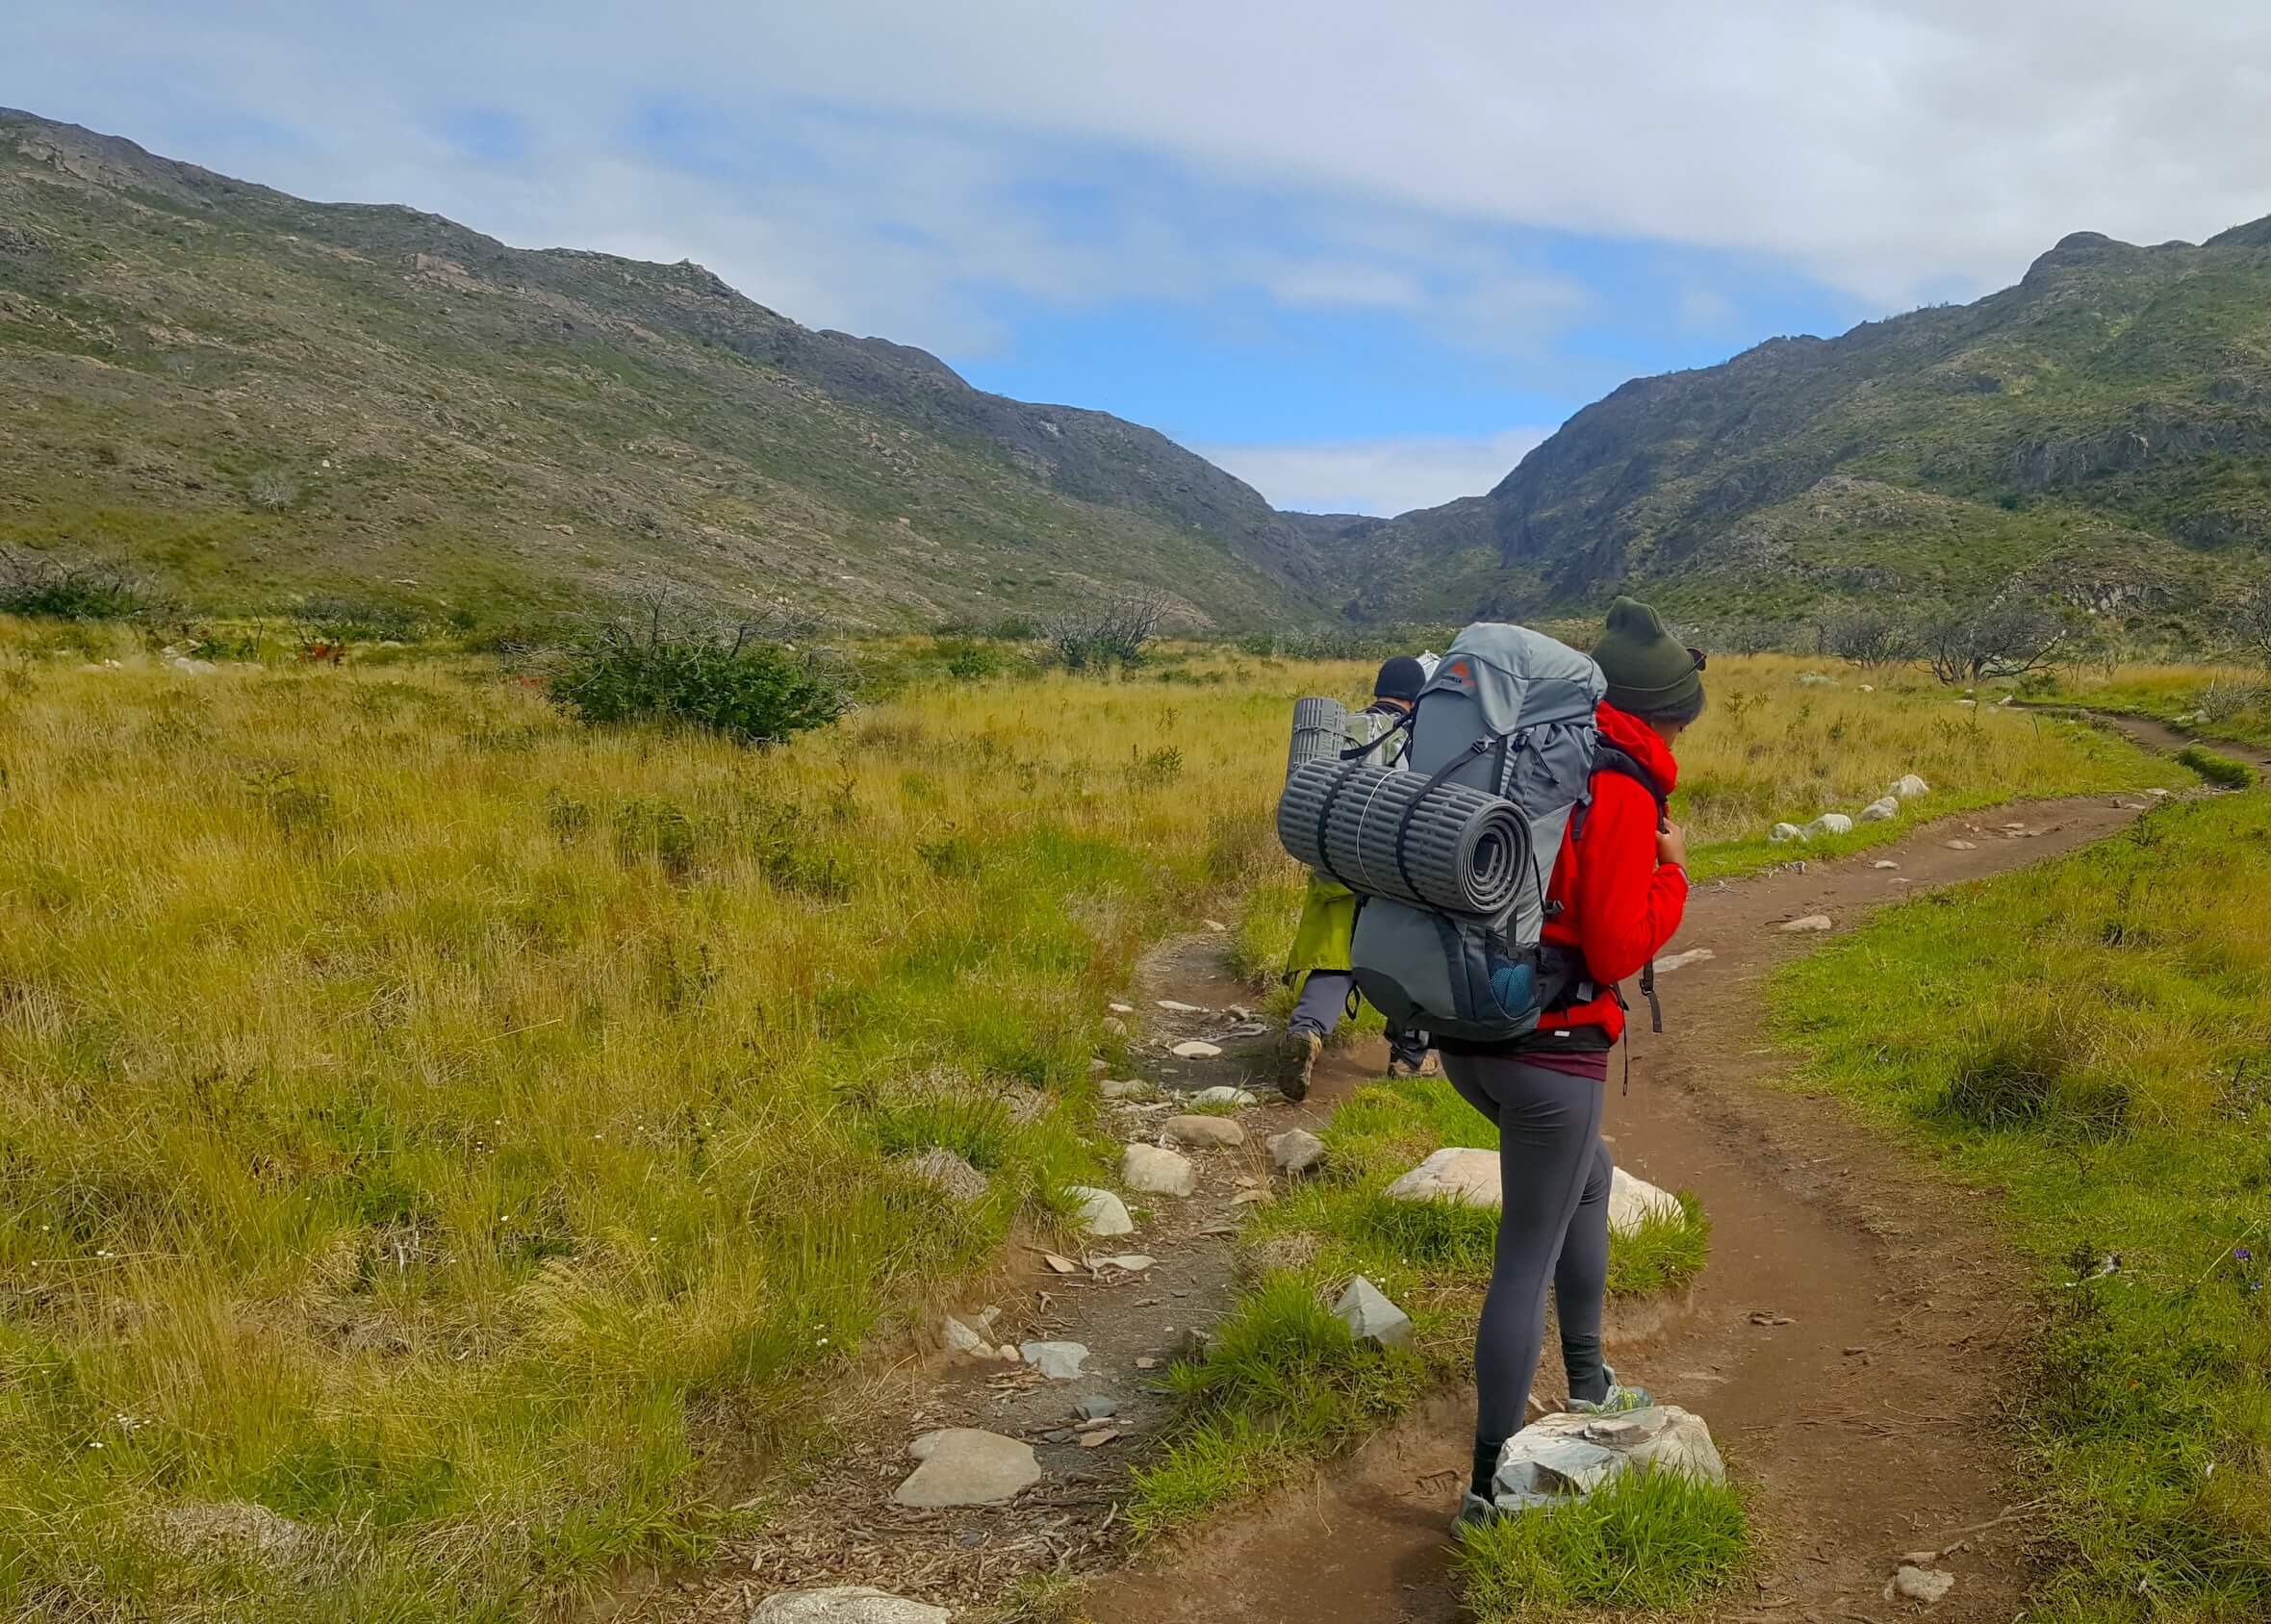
pixel 2214 702
pixel 2094 1038
pixel 480 1138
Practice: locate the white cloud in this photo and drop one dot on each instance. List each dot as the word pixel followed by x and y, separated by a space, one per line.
pixel 1896 148
pixel 1388 475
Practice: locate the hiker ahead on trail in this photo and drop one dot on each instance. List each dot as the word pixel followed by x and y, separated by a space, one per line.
pixel 1618 889
pixel 1319 959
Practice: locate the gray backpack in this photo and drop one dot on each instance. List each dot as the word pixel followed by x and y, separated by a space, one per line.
pixel 1509 713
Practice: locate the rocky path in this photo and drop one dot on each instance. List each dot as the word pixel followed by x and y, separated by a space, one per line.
pixel 1848 1342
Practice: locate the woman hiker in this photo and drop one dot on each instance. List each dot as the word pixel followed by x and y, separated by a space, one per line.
pixel 1620 884
pixel 1319 959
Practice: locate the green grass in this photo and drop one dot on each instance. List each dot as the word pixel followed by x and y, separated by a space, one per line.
pixel 1282 1384
pixel 2231 703
pixel 2219 769
pixel 1645 1543
pixel 2094 1038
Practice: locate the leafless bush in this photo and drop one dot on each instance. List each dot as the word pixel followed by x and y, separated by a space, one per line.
pixel 2251 623
pixel 272 492
pixel 1114 632
pixel 2227 697
pixel 1869 638
pixel 2003 639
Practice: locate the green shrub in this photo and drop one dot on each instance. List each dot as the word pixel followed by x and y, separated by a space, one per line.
pixel 40 587
pixel 1652 1540
pixel 2219 770
pixel 756 692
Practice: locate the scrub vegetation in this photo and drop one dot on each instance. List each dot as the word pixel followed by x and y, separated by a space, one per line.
pixel 2117 1085
pixel 1646 1542
pixel 479 1136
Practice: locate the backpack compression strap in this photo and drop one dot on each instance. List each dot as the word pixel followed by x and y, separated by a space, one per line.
pixel 1401 724
pixel 1608 758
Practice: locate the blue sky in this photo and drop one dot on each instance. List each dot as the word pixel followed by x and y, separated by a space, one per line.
pixel 1363 257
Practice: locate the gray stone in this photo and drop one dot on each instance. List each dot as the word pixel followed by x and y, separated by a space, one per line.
pixel 1782 834
pixel 1058 1361
pixel 1154 1169
pixel 1925 1585
pixel 844 1604
pixel 1811 922
pixel 1680 962
pixel 1564 1457
pixel 1633 1202
pixel 1296 1150
pixel 1829 822
pixel 1101 1213
pixel 1370 1317
pixel 1908 786
pixel 948 1172
pixel 965 1467
pixel 1135 1263
pixel 1217 1133
pixel 1114 1026
pixel 1470 1177
pixel 1123 1088
pixel 1962 845
pixel 1175 1006
pixel 1223 1093
pixel 1815 679
pixel 962 1340
pixel 1195 1049
pixel 1884 863
pixel 1881 811
pixel 1097 1407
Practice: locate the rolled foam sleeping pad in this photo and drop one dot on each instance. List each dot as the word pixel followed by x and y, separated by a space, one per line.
pixel 1321 732
pixel 1387 833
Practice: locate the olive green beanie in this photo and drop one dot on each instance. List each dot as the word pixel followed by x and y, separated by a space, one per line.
pixel 1651 673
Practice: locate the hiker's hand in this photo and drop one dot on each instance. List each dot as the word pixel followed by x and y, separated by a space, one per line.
pixel 1671 845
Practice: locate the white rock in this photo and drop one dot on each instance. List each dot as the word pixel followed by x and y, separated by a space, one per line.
pixel 1135 1263
pixel 1811 922
pixel 1564 1457
pixel 961 1339
pixel 1114 1026
pixel 1680 962
pixel 1633 1202
pixel 1121 1008
pixel 1882 811
pixel 1829 823
pixel 1296 1150
pixel 1153 1170
pixel 1101 1213
pixel 1214 925
pixel 844 1604
pixel 1962 845
pixel 1967 701
pixel 1222 1094
pixel 1058 1361
pixel 1884 863
pixel 1195 1049
pixel 949 1173
pixel 1370 1317
pixel 1463 1175
pixel 1123 1088
pixel 1908 786
pixel 1470 1177
pixel 1781 834
pixel 1925 1585
pixel 1868 687
pixel 1175 1006
pixel 1218 1133
pixel 965 1467
pixel 1815 679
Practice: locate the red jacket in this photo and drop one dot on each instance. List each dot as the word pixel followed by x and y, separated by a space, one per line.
pixel 1618 906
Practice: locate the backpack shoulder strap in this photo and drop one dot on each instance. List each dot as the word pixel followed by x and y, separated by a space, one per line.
pixel 1608 758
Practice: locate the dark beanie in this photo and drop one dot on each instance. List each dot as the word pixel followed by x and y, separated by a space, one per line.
pixel 1651 673
pixel 1399 678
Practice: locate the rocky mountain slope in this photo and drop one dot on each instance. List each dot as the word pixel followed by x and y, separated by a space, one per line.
pixel 2098 436
pixel 245 398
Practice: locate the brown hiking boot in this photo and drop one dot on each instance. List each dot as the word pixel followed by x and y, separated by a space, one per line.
pixel 1430 1064
pixel 1302 1052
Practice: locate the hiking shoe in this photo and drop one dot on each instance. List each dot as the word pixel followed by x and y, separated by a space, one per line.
pixel 1302 1052
pixel 1620 1398
pixel 1405 1068
pixel 1473 1512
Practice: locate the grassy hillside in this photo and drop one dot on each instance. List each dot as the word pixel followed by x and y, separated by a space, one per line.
pixel 2097 436
pixel 245 398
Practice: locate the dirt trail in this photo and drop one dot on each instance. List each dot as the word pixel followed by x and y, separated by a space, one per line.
pixel 1864 1408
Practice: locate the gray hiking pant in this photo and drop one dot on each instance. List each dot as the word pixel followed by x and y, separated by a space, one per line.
pixel 1553 1229
pixel 1325 1000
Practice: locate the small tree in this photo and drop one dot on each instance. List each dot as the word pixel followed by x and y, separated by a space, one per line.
pixel 33 585
pixel 2003 639
pixel 1114 632
pixel 738 682
pixel 1870 637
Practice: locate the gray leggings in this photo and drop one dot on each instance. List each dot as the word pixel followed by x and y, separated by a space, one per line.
pixel 1325 1000
pixel 1553 1229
